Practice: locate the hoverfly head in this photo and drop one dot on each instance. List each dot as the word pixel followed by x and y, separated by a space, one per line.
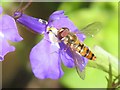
pixel 63 32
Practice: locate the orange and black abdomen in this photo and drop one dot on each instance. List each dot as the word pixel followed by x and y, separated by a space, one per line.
pixel 86 52
pixel 82 49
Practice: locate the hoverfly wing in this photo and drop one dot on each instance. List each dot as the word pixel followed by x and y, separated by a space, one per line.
pixel 91 29
pixel 81 74
pixel 79 64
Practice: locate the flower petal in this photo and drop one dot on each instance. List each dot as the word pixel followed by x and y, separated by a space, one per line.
pixel 1 9
pixel 62 22
pixel 5 48
pixel 57 15
pixel 59 20
pixel 45 60
pixel 9 28
pixel 66 55
pixel 31 22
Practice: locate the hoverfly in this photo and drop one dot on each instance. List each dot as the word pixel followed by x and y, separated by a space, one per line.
pixel 77 47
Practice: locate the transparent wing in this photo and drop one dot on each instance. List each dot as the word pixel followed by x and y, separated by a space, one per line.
pixel 79 64
pixel 91 29
pixel 81 74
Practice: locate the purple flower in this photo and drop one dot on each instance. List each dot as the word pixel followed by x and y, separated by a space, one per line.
pixel 47 55
pixel 8 31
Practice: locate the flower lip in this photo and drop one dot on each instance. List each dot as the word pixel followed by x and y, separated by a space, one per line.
pixel 47 64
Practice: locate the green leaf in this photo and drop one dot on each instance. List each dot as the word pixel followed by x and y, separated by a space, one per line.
pixel 103 60
pixel 110 77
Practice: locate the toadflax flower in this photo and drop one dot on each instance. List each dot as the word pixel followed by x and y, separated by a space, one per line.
pixel 8 31
pixel 47 55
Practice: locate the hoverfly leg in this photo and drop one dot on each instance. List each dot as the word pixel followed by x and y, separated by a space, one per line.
pixel 59 41
pixel 67 46
pixel 66 49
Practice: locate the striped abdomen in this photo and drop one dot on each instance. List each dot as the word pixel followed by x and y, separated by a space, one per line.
pixel 72 40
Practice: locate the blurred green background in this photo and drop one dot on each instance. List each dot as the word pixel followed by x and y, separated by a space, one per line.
pixel 16 66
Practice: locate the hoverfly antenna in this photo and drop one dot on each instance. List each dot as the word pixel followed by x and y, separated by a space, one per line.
pixel 20 10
